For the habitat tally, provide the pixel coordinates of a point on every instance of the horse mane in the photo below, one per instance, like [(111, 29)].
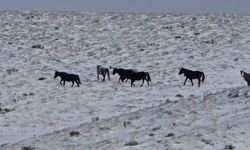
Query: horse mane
[(185, 69)]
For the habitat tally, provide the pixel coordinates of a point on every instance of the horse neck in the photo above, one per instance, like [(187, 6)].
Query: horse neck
[(60, 75), (98, 70), (102, 71), (117, 71), (186, 71), (246, 75), (106, 71)]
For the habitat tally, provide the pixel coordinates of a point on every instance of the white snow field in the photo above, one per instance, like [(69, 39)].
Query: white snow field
[(36, 112)]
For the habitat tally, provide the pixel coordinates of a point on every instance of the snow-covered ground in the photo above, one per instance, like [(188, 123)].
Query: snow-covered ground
[(42, 113)]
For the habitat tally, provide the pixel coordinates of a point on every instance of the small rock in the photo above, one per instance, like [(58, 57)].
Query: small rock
[(170, 135), (94, 119), (156, 128), (74, 133), (207, 141), (246, 94), (131, 143), (177, 37), (41, 78), (229, 147), (125, 123), (10, 43), (11, 70), (25, 94), (31, 94), (27, 148), (12, 55), (179, 95), (7, 110), (159, 141), (38, 46), (196, 33), (233, 95), (151, 134), (199, 135), (236, 59)]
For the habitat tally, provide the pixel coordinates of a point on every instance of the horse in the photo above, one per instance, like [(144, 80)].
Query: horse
[(123, 73), (139, 76), (192, 75), (103, 71), (68, 77), (246, 77)]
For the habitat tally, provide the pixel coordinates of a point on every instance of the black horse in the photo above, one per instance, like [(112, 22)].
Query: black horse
[(68, 77), (139, 76), (246, 77), (123, 73), (192, 75)]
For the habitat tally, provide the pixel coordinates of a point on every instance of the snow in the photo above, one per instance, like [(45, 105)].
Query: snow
[(205, 117)]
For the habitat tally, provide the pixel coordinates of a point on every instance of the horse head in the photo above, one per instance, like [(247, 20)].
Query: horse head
[(56, 74), (242, 73), (181, 71)]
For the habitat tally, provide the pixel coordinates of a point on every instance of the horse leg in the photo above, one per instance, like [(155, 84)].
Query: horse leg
[(132, 81), (109, 77), (103, 77), (199, 82), (64, 83), (248, 83), (97, 76), (147, 81), (185, 81), (61, 82), (72, 84), (142, 82), (191, 82)]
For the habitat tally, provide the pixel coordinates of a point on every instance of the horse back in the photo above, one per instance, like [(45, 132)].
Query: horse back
[(193, 74), (138, 75), (70, 77)]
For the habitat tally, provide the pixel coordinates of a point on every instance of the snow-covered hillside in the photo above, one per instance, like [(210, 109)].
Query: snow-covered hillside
[(36, 107), (215, 121)]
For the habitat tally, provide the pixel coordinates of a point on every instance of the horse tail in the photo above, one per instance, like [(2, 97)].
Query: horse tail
[(148, 76), (107, 70), (203, 77), (78, 78)]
